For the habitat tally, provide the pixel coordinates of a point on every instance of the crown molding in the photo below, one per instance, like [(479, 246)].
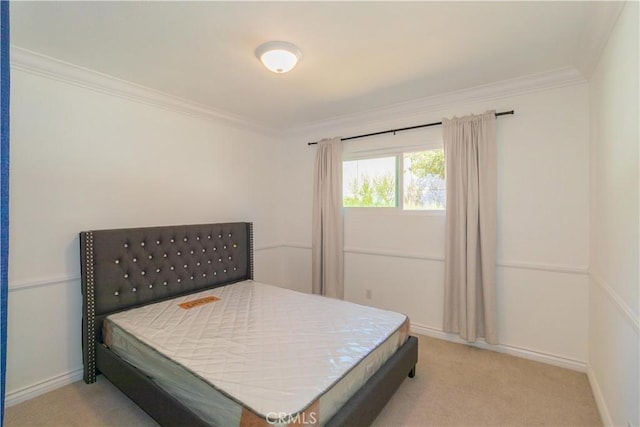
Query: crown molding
[(55, 69), (502, 89)]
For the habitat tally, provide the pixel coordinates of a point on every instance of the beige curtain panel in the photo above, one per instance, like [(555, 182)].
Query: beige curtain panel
[(470, 248), (327, 267)]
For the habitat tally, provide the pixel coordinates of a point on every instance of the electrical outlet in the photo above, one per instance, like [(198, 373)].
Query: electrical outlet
[(368, 293)]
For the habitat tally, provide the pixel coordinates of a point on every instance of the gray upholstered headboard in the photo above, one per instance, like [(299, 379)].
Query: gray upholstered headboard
[(126, 268)]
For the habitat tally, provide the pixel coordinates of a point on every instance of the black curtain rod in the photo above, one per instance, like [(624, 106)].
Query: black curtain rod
[(504, 113)]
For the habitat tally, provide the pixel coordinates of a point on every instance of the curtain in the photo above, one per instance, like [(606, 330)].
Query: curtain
[(470, 248), (4, 195), (327, 249)]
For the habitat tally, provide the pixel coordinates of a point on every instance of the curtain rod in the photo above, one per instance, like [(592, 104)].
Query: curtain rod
[(504, 113)]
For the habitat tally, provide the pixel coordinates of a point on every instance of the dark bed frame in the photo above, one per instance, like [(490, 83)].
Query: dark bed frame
[(127, 268)]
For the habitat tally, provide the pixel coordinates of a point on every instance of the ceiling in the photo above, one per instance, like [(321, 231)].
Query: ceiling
[(357, 56)]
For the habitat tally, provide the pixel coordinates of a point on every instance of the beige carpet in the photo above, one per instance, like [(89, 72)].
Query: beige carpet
[(455, 385)]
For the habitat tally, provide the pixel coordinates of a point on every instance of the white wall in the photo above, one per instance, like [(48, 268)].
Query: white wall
[(82, 160), (543, 225), (614, 328)]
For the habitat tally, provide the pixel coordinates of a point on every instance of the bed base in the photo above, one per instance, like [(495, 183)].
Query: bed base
[(156, 402), (360, 410), (366, 404)]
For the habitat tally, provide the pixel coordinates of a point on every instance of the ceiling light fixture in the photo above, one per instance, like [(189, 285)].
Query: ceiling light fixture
[(278, 56)]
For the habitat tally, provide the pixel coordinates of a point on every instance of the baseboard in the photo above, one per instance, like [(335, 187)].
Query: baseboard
[(605, 416), (35, 390), (550, 359)]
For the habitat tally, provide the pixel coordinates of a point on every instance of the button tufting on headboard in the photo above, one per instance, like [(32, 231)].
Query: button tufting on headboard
[(133, 263), (123, 268)]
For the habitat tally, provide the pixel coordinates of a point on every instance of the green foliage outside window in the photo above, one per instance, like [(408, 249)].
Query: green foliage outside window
[(379, 191), (425, 163), (369, 184)]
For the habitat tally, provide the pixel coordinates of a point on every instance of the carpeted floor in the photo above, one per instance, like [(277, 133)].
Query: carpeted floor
[(455, 385)]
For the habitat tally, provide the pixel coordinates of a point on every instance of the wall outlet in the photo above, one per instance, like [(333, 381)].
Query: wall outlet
[(368, 294)]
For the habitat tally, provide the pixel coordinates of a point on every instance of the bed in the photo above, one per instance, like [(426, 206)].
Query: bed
[(137, 270)]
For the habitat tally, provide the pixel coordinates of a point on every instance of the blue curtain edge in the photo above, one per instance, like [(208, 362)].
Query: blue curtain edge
[(4, 196)]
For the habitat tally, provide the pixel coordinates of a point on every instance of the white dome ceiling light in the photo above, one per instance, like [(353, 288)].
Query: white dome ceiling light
[(279, 57)]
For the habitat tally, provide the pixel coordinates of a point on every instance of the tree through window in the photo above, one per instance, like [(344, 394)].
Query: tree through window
[(424, 185)]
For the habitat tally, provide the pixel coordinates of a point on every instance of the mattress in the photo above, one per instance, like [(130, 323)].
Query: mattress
[(255, 354)]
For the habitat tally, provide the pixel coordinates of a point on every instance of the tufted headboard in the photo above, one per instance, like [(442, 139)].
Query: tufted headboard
[(131, 267)]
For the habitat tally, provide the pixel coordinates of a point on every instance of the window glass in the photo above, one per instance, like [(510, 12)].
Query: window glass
[(370, 182), (424, 184)]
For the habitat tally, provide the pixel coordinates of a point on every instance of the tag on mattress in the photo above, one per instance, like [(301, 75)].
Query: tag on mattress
[(198, 302)]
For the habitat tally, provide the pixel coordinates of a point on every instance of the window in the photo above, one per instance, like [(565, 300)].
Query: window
[(376, 181)]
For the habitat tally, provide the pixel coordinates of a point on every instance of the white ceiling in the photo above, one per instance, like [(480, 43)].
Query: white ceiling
[(357, 56)]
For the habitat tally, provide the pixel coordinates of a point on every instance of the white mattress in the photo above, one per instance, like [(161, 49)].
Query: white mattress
[(270, 350)]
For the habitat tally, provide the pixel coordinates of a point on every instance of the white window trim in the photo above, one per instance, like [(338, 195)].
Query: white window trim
[(388, 152)]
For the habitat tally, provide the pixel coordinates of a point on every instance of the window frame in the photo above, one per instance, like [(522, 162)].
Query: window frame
[(398, 153)]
